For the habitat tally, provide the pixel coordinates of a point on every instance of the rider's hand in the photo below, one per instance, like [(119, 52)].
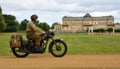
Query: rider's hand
[(43, 32)]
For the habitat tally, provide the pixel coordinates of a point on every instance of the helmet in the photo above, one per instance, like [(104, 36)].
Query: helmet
[(33, 17)]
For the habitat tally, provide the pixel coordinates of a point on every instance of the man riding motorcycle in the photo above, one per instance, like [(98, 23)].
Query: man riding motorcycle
[(33, 32)]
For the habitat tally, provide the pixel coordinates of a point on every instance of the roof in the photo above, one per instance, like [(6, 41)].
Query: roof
[(87, 16)]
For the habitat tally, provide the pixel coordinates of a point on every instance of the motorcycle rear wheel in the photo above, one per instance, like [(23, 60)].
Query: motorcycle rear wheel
[(19, 54)]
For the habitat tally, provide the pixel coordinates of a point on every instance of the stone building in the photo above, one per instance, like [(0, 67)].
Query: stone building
[(87, 22), (117, 25)]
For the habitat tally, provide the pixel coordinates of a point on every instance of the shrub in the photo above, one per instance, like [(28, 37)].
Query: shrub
[(117, 30), (99, 30), (109, 30)]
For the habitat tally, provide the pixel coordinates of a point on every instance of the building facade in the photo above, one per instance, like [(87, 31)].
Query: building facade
[(117, 25), (87, 22)]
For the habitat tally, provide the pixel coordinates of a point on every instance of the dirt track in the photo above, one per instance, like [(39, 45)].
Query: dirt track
[(66, 62)]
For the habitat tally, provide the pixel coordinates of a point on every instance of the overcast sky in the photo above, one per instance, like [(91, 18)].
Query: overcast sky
[(51, 11)]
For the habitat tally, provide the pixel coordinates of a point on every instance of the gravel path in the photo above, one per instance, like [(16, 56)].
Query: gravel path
[(46, 61)]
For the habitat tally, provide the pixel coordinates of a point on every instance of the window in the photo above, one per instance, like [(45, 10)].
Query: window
[(90, 22), (96, 22), (64, 23), (111, 22), (103, 22)]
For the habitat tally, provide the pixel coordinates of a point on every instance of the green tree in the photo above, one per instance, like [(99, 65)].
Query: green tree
[(109, 30), (44, 26), (102, 30), (117, 30), (23, 24), (12, 25), (2, 21), (53, 25)]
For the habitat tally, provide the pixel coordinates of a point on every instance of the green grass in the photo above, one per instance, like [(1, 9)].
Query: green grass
[(4, 44), (79, 43), (91, 44)]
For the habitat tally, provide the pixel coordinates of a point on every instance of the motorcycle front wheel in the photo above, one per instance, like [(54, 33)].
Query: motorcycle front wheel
[(19, 54), (60, 50)]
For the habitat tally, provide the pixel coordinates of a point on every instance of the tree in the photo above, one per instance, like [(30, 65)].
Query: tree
[(2, 21), (102, 30), (23, 24), (109, 30), (44, 26), (12, 25), (53, 25), (117, 30)]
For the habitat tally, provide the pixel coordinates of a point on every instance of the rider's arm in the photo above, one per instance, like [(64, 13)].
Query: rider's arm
[(37, 30)]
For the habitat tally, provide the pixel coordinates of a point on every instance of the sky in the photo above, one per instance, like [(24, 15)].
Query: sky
[(52, 11)]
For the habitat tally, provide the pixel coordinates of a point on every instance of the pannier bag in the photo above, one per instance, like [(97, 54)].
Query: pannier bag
[(15, 41)]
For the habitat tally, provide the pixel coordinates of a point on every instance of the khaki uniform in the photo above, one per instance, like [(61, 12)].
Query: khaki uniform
[(33, 32)]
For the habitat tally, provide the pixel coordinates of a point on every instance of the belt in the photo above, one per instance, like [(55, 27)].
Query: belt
[(31, 32)]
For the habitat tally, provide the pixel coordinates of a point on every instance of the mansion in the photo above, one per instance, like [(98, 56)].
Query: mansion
[(87, 22)]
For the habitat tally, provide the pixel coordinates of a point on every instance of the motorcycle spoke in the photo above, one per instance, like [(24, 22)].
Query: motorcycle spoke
[(55, 49)]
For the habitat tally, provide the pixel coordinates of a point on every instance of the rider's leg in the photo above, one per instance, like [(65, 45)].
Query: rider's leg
[(37, 42)]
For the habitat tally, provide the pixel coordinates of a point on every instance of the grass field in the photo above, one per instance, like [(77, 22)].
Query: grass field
[(92, 44), (79, 43)]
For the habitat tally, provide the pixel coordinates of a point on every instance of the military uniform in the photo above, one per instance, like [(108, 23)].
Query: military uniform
[(33, 32)]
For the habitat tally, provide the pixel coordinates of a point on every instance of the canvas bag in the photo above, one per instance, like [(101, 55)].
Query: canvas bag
[(15, 41)]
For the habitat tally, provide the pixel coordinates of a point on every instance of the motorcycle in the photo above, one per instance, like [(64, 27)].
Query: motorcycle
[(57, 47)]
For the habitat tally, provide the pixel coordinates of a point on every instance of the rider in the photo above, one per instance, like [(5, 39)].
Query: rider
[(33, 32)]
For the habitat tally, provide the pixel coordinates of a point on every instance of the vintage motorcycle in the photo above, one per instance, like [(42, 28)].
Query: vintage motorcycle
[(57, 47)]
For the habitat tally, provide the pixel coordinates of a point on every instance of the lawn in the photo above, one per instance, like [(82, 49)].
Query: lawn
[(92, 44), (79, 43), (4, 44)]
